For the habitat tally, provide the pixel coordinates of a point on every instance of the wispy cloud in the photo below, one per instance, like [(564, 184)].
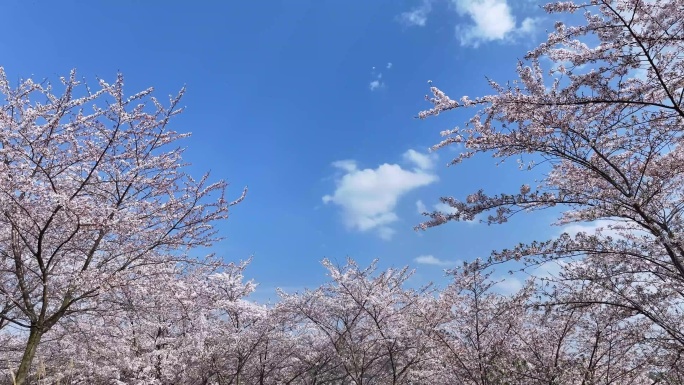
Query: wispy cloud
[(606, 227), (417, 16), (368, 197), (420, 206), (422, 161), (346, 165), (434, 261), (528, 26), (508, 285), (377, 82), (443, 208)]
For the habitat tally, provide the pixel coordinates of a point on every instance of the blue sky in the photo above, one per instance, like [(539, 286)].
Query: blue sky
[(311, 103)]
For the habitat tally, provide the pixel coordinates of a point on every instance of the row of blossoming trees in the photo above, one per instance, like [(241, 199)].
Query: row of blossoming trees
[(99, 223), (362, 327)]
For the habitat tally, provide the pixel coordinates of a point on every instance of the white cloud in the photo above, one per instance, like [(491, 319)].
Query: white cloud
[(420, 206), (389, 65), (375, 84), (346, 165), (386, 233), (422, 161), (528, 25), (445, 208), (507, 286), (368, 197), (432, 260), (511, 284), (640, 73), (591, 228), (491, 20), (418, 15), (549, 269)]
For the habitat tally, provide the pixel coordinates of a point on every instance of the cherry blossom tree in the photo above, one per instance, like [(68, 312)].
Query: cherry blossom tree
[(99, 224), (151, 331), (374, 325), (197, 326), (606, 120), (94, 196), (475, 336), (485, 337), (178, 328), (591, 344), (246, 340)]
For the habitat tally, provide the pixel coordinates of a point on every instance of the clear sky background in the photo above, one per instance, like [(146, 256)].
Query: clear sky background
[(310, 103)]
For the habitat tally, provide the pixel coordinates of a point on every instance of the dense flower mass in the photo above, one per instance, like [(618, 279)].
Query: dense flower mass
[(607, 120), (362, 327), (94, 203), (99, 220)]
